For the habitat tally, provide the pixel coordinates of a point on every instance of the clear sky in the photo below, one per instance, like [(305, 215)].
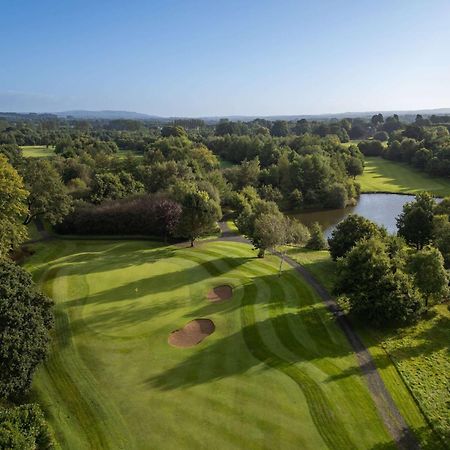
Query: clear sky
[(200, 58)]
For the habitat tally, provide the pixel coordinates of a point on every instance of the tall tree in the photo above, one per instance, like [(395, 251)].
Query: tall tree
[(415, 223), (430, 276), (351, 230), (377, 290), (270, 231), (199, 214), (317, 240), (25, 321), (12, 208), (48, 197)]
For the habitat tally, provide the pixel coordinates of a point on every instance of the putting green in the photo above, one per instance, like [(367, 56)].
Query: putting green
[(276, 373)]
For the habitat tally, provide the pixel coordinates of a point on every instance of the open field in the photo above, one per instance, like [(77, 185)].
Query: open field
[(382, 175), (37, 151), (416, 357), (277, 372)]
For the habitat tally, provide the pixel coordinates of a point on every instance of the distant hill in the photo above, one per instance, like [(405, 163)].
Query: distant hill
[(106, 115), (111, 115), (424, 112)]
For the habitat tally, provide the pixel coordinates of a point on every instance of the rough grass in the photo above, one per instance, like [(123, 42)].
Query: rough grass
[(381, 175), (276, 373), (421, 354), (37, 151), (414, 361)]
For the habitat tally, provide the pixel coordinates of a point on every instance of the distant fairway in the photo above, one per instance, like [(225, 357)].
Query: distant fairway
[(381, 175), (37, 151), (276, 372)]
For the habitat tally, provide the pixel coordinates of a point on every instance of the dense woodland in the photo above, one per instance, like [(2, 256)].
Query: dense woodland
[(174, 181)]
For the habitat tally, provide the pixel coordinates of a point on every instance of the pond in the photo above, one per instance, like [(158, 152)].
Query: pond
[(380, 208)]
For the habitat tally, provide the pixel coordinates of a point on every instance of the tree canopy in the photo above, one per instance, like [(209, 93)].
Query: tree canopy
[(13, 208), (415, 223), (25, 321), (351, 230)]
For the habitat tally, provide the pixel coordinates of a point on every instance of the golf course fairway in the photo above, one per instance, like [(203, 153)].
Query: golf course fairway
[(274, 372)]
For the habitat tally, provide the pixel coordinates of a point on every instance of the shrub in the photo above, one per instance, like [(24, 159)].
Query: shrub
[(145, 215)]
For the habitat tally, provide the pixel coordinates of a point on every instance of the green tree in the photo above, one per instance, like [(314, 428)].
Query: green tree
[(317, 240), (270, 231), (415, 223), (25, 321), (441, 232), (280, 128), (111, 186), (351, 230), (173, 130), (24, 428), (12, 208), (298, 234), (48, 197), (336, 196), (251, 209), (377, 291), (199, 214), (430, 276), (355, 167)]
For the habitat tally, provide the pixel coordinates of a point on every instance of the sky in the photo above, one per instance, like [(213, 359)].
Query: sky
[(208, 58)]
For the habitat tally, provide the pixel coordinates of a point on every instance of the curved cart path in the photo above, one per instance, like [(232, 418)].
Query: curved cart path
[(392, 419), (388, 411)]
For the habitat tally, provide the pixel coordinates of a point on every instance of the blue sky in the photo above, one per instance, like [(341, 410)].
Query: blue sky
[(200, 58)]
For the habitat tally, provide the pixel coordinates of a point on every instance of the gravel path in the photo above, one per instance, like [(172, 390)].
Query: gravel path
[(388, 411)]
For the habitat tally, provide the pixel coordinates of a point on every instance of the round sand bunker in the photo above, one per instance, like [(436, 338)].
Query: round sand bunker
[(220, 293), (192, 333)]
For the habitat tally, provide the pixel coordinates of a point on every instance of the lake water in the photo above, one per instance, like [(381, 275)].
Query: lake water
[(380, 208)]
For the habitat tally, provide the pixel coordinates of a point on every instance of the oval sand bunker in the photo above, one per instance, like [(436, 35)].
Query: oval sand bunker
[(192, 333), (220, 293)]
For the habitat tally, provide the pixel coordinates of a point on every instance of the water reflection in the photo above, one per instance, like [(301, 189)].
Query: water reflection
[(380, 208)]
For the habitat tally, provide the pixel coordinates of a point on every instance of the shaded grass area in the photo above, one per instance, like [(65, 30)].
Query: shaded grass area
[(224, 164), (37, 151), (318, 262), (413, 362), (381, 175), (268, 377)]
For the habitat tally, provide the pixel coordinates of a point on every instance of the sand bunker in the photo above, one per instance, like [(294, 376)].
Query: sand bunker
[(220, 293), (192, 333)]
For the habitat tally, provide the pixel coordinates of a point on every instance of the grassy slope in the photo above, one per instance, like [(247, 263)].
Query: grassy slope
[(37, 151), (277, 372), (381, 175), (420, 354)]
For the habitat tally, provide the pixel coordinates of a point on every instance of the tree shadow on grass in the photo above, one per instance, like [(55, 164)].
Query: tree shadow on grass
[(432, 339), (163, 283), (426, 437), (239, 352), (93, 262)]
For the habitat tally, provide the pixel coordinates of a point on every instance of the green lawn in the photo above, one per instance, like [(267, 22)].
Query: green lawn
[(415, 357), (382, 175), (276, 373), (37, 151)]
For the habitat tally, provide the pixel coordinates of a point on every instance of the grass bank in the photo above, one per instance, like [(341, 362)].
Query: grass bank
[(382, 175), (413, 361)]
